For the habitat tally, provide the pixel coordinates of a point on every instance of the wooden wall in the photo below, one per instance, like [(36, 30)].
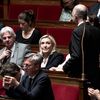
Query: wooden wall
[(4, 4)]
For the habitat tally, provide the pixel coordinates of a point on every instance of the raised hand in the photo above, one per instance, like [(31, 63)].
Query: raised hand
[(6, 53)]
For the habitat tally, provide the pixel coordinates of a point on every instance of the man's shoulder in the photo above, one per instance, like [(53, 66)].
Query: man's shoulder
[(21, 44), (42, 74)]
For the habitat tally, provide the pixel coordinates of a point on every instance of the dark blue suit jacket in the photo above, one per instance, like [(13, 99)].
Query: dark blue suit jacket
[(40, 90), (54, 60)]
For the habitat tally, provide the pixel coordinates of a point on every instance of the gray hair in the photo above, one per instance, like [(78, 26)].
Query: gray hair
[(52, 41), (7, 29), (35, 57)]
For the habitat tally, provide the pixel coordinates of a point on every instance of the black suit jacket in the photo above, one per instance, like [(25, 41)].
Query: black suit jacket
[(54, 60), (40, 90), (91, 54)]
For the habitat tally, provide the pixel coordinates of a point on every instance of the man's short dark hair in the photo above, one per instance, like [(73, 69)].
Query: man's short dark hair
[(10, 69)]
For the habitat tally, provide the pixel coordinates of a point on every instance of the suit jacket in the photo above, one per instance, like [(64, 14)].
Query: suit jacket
[(19, 53), (54, 60), (40, 90), (94, 9), (91, 47)]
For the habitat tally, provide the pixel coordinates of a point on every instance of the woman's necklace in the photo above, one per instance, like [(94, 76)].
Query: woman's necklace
[(28, 34)]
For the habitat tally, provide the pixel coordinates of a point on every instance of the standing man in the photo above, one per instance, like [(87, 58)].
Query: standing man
[(35, 84), (13, 51), (84, 48)]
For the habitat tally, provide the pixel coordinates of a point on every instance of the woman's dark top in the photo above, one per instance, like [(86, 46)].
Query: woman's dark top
[(34, 39)]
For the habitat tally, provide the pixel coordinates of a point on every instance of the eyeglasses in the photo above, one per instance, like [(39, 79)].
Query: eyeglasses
[(26, 65)]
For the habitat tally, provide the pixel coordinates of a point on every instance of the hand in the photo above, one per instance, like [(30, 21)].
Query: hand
[(94, 93), (9, 81), (5, 53), (90, 91), (97, 94), (59, 68), (52, 69)]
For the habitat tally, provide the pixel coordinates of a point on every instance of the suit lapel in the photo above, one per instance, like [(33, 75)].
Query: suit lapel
[(15, 54), (34, 80)]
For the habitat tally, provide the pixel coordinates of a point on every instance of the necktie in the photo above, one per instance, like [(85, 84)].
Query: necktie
[(7, 59), (30, 84)]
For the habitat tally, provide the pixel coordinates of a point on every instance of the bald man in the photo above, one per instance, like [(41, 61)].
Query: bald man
[(84, 49)]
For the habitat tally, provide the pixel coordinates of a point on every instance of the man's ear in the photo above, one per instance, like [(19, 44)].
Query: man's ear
[(76, 17), (37, 66)]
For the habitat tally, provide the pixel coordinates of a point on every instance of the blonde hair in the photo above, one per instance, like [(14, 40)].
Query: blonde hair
[(52, 41)]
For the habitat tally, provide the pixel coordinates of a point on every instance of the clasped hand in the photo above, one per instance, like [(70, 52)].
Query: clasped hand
[(94, 93), (6, 53), (9, 81)]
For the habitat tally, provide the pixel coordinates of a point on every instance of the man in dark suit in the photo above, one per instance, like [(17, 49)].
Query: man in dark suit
[(38, 88), (84, 49)]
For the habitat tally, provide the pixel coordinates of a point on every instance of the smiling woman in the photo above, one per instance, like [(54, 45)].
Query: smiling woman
[(47, 47)]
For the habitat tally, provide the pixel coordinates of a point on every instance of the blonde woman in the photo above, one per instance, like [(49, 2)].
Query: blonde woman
[(47, 47)]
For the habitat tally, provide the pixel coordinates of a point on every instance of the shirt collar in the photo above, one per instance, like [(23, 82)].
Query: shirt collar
[(80, 23), (31, 77)]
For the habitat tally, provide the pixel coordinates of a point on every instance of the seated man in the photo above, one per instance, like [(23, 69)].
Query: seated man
[(10, 69), (67, 6), (13, 51), (35, 83)]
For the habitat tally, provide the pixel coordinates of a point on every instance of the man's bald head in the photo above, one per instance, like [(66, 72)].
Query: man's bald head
[(80, 12)]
